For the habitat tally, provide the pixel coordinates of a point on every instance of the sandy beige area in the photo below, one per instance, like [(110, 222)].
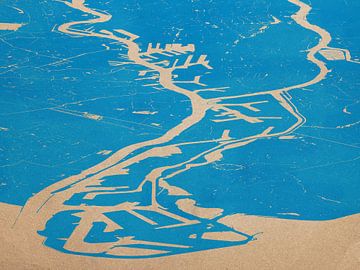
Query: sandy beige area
[(280, 244), (10, 26)]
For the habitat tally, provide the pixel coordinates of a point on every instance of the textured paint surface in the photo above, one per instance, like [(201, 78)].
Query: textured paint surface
[(133, 130)]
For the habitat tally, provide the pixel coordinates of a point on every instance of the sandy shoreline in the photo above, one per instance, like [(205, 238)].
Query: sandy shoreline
[(283, 244), (10, 26)]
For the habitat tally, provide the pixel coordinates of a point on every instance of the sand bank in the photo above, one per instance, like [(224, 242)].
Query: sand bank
[(281, 244)]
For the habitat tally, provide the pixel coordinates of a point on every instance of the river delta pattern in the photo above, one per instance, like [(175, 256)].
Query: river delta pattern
[(130, 128)]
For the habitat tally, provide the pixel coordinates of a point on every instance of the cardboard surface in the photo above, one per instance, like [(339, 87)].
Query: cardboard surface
[(179, 135), (295, 245)]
